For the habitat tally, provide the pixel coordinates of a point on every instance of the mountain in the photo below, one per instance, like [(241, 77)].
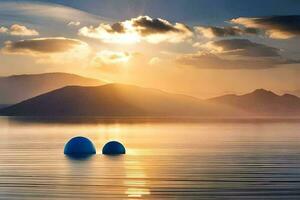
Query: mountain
[(14, 89), (262, 103), (113, 100), (119, 100), (3, 105)]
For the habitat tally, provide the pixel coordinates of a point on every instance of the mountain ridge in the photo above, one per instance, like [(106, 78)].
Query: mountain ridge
[(16, 88), (123, 100), (262, 102), (111, 100)]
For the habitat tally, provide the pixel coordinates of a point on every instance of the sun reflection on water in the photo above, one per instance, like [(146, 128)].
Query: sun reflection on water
[(137, 192), (135, 180)]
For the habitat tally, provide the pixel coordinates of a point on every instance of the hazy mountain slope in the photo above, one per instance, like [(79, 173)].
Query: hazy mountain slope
[(127, 101), (3, 105), (113, 100), (14, 89), (262, 102)]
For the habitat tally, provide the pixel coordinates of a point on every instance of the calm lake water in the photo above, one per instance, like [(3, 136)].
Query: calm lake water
[(199, 160)]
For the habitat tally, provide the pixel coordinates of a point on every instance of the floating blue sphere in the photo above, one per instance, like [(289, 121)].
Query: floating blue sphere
[(79, 146), (113, 148)]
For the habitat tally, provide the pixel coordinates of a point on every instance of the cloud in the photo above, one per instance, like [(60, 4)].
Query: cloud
[(139, 29), (112, 57), (241, 47), (111, 61), (276, 27), (234, 54), (73, 23), (155, 61), (228, 31), (29, 12), (40, 46), (149, 26), (108, 58), (20, 30), (56, 50), (109, 34), (212, 61), (3, 29)]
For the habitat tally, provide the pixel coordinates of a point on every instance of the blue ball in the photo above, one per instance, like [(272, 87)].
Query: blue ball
[(79, 146), (113, 148)]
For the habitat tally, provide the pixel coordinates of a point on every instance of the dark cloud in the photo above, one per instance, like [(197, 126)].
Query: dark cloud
[(42, 45), (279, 27), (226, 31), (253, 31), (213, 31), (244, 47), (148, 25), (118, 27), (212, 61), (153, 30), (285, 23), (235, 54)]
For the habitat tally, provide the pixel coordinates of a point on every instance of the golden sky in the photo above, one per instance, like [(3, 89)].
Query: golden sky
[(234, 54)]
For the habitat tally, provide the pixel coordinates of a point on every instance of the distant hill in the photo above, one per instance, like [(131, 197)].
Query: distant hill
[(113, 100), (262, 103), (14, 89), (3, 105), (118, 100)]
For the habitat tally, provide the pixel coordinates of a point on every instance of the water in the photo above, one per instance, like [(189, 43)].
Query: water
[(199, 160)]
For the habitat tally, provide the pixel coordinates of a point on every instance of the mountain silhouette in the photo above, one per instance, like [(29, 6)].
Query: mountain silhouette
[(262, 103), (14, 89), (113, 100), (3, 105), (119, 100)]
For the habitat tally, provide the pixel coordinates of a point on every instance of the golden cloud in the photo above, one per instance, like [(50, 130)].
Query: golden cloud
[(107, 57), (240, 47), (3, 29), (113, 57), (42, 46), (74, 23), (139, 29), (57, 49), (20, 30), (155, 61)]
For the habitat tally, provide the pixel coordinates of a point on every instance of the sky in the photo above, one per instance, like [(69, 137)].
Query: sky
[(202, 48)]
